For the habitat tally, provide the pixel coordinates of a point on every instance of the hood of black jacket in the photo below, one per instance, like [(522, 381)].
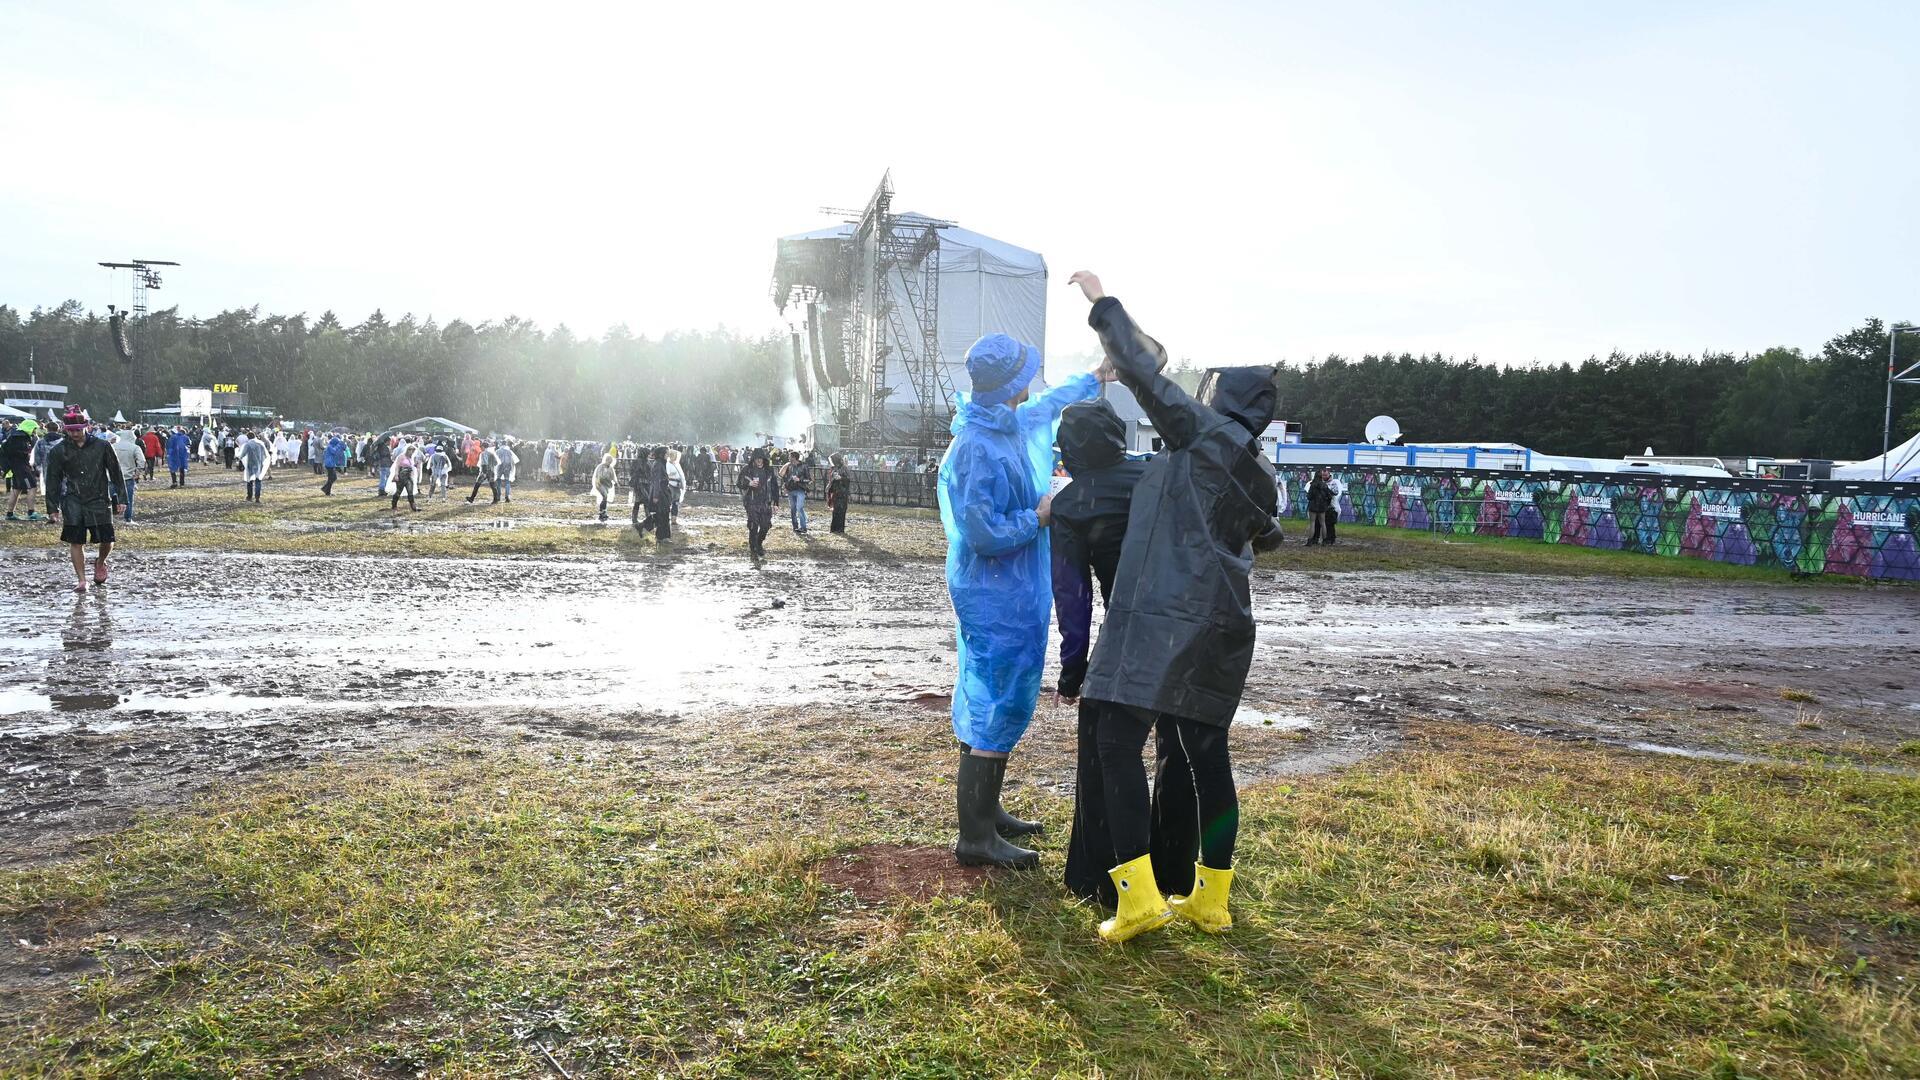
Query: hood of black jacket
[(1092, 436), (1246, 394)]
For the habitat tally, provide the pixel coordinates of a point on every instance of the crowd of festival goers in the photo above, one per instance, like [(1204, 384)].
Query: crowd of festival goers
[(654, 479)]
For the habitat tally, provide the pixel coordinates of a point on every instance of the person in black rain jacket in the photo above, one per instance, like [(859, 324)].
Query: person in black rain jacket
[(1178, 640), (1089, 521)]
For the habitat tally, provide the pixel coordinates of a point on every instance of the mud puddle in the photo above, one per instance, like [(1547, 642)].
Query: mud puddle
[(191, 667)]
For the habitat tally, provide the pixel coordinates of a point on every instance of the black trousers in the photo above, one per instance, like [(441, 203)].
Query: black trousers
[(839, 517), (1323, 527), (1111, 812), (150, 463), (1196, 810), (404, 482), (479, 480), (332, 475)]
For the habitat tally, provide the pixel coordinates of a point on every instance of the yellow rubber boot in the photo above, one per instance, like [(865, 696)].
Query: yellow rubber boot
[(1206, 907), (1141, 906)]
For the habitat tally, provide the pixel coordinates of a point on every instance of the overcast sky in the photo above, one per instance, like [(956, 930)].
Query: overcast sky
[(1260, 181)]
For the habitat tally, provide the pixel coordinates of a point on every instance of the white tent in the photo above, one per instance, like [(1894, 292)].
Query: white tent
[(12, 413), (986, 286), (1901, 463)]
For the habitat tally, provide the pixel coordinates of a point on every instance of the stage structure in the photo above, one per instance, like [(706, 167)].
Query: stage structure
[(889, 304), (146, 277)]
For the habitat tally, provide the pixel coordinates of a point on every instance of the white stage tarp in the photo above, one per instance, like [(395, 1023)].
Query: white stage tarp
[(1901, 463), (986, 286)]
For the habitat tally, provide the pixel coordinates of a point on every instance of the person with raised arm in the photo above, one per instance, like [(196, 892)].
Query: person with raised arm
[(1177, 643), (995, 506)]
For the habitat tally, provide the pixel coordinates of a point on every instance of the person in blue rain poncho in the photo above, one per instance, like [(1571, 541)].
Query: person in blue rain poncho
[(994, 503)]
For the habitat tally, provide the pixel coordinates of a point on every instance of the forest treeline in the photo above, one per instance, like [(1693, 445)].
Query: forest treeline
[(1778, 403), (508, 376), (513, 376)]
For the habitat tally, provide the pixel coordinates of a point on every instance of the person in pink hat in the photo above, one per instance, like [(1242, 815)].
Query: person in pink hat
[(83, 493)]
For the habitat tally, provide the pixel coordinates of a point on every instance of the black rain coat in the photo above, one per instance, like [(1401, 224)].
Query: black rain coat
[(1179, 633), (83, 482), (1089, 522)]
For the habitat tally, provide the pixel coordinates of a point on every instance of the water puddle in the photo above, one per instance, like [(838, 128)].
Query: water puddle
[(1277, 721)]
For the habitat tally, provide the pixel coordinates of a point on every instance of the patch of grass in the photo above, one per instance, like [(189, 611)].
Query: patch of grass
[(1788, 693), (541, 521), (1910, 747), (1379, 548), (1481, 904)]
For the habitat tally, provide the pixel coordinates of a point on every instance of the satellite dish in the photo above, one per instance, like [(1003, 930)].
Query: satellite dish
[(1382, 430)]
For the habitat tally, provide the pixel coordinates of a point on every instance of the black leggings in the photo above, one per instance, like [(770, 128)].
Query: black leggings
[(1193, 813), (403, 482), (1196, 811), (1323, 526)]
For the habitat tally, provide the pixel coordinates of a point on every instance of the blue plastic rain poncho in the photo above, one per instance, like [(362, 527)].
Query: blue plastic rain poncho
[(998, 565)]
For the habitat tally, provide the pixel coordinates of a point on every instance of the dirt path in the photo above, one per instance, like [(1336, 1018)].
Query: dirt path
[(193, 667)]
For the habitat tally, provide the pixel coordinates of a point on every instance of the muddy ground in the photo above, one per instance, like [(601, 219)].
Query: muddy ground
[(193, 668)]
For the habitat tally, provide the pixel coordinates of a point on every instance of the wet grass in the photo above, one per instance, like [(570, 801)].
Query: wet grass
[(552, 521), (541, 521), (1379, 548), (1478, 905)]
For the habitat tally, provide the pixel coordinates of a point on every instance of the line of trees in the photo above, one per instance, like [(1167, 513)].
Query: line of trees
[(1779, 403), (513, 376), (508, 376)]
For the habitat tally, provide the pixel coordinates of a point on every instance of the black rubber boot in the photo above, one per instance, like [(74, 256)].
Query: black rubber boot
[(1006, 824), (976, 801)]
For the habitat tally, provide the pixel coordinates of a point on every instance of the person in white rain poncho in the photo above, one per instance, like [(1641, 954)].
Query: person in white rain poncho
[(403, 476), (603, 484), (506, 467), (254, 459), (442, 467), (676, 480)]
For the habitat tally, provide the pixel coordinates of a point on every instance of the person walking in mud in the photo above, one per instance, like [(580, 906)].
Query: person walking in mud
[(440, 466), (83, 490), (127, 449), (659, 494), (405, 475), (995, 508), (1177, 644), (793, 478), (1321, 508), (153, 449), (254, 457), (485, 469), (335, 459), (839, 486), (603, 484), (756, 484), (506, 468), (16, 465), (179, 451)]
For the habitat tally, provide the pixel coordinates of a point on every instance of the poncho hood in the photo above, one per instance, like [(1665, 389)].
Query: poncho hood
[(1092, 436), (1245, 394)]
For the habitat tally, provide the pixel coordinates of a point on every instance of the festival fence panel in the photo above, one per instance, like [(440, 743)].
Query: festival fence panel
[(1819, 527)]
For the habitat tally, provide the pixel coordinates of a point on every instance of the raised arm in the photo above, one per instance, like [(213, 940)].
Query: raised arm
[(1046, 406), (1137, 360)]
